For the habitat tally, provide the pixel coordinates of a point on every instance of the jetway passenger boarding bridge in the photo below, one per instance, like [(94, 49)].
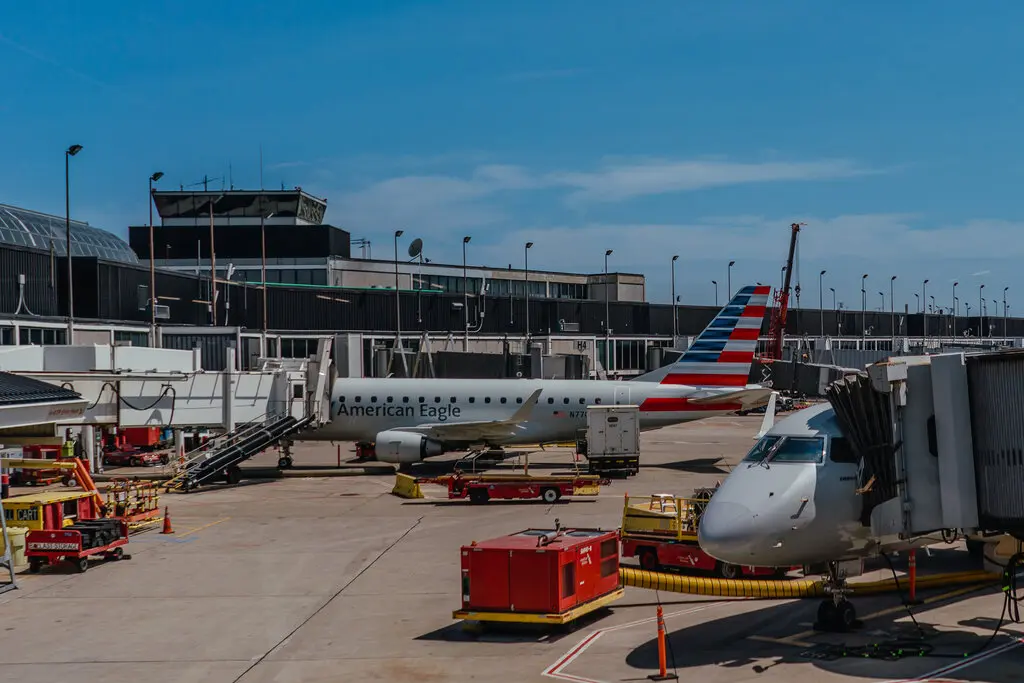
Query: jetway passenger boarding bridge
[(142, 387), (941, 443)]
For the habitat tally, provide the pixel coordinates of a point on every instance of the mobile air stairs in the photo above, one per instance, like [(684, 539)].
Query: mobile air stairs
[(294, 409)]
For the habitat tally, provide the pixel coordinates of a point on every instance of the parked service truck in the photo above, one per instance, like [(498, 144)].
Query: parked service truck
[(611, 442)]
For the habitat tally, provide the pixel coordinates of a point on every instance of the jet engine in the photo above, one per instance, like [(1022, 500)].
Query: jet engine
[(405, 447)]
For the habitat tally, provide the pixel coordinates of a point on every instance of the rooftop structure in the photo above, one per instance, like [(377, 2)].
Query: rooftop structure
[(25, 228)]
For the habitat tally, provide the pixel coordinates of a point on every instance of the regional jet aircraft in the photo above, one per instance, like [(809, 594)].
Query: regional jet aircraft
[(407, 420), (793, 500)]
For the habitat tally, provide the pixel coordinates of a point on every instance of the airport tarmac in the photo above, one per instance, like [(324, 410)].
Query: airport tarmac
[(334, 579)]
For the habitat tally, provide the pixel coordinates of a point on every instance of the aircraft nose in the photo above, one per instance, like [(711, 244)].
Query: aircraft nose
[(727, 532)]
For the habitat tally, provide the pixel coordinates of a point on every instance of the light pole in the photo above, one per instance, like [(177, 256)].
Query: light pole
[(728, 282), (892, 307), (675, 326), (1004, 312), (263, 268), (981, 312), (398, 299), (715, 283), (821, 300), (526, 284), (152, 265), (863, 306), (607, 253), (924, 309), (955, 309), (465, 296), (967, 314), (68, 153)]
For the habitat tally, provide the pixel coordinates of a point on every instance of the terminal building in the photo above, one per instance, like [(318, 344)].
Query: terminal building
[(315, 287)]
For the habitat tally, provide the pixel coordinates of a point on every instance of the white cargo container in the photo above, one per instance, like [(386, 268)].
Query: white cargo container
[(613, 438)]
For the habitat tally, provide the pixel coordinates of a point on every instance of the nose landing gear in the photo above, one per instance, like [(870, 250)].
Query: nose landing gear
[(836, 613)]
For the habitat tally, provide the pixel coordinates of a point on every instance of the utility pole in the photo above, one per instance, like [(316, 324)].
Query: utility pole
[(68, 153), (924, 309), (892, 309), (398, 300), (607, 322), (728, 281), (863, 306), (981, 312), (526, 287)]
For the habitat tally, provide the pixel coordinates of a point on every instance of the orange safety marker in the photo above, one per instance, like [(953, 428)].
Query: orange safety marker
[(912, 572), (663, 674), (167, 523)]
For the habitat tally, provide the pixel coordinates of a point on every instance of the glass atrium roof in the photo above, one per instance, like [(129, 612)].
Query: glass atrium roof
[(34, 230)]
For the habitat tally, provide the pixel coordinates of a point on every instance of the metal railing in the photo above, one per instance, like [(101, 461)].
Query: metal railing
[(207, 450)]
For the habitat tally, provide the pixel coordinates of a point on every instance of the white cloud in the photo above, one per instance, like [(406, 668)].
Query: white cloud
[(618, 182)]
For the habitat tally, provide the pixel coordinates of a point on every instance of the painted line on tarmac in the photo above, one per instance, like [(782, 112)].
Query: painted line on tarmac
[(962, 664), (556, 669), (201, 528)]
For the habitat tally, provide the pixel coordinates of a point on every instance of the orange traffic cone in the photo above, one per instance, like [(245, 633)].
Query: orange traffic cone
[(167, 523)]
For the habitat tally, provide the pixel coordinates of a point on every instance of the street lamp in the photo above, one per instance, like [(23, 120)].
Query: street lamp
[(675, 330), (981, 312), (728, 282), (892, 307), (715, 283), (263, 266), (1004, 311), (863, 305), (398, 298), (465, 296), (68, 153), (924, 309), (821, 300), (607, 332), (526, 267), (955, 309), (152, 265), (967, 314)]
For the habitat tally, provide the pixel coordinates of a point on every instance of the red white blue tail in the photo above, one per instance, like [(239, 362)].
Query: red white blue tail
[(723, 353)]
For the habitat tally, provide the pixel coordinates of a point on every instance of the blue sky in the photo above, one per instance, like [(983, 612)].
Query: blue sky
[(656, 128)]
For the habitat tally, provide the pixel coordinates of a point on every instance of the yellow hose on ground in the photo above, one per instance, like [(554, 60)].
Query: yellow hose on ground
[(784, 588)]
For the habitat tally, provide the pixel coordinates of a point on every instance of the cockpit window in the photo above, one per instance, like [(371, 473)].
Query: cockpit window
[(839, 451), (799, 449), (761, 449)]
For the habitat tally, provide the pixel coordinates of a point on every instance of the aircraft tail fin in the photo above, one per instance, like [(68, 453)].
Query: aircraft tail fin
[(722, 354)]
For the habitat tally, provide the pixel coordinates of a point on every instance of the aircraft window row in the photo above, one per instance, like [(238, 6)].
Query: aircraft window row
[(437, 399)]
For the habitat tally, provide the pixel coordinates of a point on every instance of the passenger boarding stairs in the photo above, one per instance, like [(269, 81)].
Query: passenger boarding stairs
[(303, 403), (219, 458)]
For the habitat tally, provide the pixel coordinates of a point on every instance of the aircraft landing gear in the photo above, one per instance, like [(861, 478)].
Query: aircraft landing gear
[(285, 461), (836, 613)]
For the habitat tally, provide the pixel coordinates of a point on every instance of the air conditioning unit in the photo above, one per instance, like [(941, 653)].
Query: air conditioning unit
[(163, 312)]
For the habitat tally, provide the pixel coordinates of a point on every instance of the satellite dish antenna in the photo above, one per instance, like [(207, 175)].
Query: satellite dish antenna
[(415, 248)]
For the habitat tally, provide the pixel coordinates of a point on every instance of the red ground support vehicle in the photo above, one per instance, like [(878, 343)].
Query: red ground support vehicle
[(77, 543), (550, 576), (480, 488), (134, 458), (661, 531)]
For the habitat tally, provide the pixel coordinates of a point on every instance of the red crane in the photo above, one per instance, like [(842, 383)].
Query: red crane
[(777, 328)]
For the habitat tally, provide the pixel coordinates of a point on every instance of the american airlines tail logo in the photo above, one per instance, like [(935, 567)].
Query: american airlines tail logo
[(722, 354)]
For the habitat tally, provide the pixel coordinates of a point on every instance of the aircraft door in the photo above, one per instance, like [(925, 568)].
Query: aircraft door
[(622, 396)]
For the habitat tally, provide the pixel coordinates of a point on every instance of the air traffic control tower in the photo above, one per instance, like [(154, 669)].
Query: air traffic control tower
[(224, 227)]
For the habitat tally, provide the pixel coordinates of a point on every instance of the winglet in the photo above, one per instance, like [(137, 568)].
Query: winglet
[(769, 416), (524, 410)]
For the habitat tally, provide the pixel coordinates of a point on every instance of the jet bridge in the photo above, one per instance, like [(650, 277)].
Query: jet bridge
[(138, 387), (941, 442)]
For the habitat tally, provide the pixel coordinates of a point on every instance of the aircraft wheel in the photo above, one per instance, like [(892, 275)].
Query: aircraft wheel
[(284, 462), (827, 615), (846, 615)]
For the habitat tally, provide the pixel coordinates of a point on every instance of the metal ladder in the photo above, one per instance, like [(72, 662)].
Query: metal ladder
[(219, 458)]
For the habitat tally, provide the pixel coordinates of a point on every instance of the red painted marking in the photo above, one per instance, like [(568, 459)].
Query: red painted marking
[(706, 380), (745, 334), (683, 405), (753, 312), (763, 289), (736, 357)]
